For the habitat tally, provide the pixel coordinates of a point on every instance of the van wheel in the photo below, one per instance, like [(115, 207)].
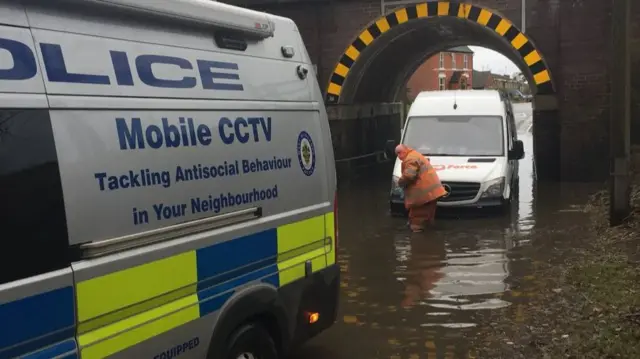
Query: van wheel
[(396, 210), (251, 341), (505, 206)]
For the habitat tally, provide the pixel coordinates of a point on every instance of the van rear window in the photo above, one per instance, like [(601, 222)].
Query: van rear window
[(33, 233)]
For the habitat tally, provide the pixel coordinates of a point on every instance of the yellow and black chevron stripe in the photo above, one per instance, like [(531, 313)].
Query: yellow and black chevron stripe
[(482, 16)]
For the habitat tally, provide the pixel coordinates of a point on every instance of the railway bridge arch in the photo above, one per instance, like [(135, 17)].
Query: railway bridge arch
[(366, 50)]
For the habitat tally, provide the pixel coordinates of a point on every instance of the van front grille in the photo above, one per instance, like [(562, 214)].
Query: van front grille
[(460, 191)]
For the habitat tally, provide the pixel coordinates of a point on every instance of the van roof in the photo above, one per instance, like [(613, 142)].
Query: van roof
[(470, 102), (206, 12)]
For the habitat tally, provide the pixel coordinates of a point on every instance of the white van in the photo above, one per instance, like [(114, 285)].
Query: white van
[(471, 139), (167, 182)]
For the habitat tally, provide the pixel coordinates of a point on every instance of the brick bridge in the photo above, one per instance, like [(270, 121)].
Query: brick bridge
[(365, 51)]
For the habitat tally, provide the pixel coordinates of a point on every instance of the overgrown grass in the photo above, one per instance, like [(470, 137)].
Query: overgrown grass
[(602, 287), (607, 324), (585, 300)]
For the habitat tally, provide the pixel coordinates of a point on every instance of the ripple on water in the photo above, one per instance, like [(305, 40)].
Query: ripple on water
[(435, 314), (453, 273), (449, 325)]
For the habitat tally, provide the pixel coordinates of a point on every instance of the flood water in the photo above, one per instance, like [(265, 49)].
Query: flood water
[(423, 295)]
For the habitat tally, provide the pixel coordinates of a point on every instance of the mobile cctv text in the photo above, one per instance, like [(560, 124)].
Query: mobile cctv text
[(133, 134)]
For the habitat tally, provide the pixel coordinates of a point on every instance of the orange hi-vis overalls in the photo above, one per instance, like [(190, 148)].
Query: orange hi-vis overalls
[(422, 188)]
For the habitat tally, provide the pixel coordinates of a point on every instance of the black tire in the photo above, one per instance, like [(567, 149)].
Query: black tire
[(505, 206), (397, 210), (251, 339), (514, 197), (393, 211)]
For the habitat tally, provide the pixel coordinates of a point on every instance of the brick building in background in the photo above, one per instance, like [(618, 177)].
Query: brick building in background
[(483, 80), (451, 69), (489, 80)]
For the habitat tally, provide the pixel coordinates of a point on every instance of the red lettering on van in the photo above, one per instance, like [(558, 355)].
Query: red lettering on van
[(454, 167)]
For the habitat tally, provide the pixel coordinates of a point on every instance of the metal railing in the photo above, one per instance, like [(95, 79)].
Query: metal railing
[(377, 155), (356, 165)]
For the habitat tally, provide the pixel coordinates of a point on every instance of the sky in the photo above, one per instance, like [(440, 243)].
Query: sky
[(485, 59)]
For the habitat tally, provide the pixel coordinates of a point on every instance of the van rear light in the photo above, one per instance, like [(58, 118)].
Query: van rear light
[(312, 317), (335, 222)]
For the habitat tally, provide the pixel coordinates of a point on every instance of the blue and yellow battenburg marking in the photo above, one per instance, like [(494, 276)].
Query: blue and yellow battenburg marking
[(43, 325), (121, 309), (167, 293)]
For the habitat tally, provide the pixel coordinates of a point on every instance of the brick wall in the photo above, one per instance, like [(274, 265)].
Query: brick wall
[(635, 71), (584, 87), (425, 78), (490, 83)]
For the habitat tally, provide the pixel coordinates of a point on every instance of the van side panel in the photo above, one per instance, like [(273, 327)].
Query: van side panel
[(144, 170), (12, 13), (154, 126), (72, 16), (36, 285), (37, 304), (24, 76), (93, 66), (37, 317), (331, 178), (168, 285)]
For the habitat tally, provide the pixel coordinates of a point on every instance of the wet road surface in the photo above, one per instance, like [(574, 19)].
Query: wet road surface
[(422, 295)]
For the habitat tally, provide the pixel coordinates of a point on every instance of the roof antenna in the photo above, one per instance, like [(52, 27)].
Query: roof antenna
[(455, 100)]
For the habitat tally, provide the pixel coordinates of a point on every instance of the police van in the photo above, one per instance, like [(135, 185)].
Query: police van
[(167, 182), (472, 142)]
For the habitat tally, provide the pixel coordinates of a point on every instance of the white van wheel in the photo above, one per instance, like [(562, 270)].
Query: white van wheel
[(505, 206)]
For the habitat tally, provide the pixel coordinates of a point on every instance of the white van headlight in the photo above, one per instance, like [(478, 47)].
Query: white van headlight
[(494, 188), (395, 187)]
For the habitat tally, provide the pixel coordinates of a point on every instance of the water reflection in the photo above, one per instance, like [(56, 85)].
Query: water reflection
[(464, 265), (406, 294), (448, 272), (525, 217)]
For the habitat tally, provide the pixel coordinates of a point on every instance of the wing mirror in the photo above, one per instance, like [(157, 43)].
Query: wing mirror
[(517, 152), (390, 148)]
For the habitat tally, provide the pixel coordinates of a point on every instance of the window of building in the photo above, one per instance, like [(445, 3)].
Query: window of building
[(441, 60), (453, 61), (441, 83), (466, 61)]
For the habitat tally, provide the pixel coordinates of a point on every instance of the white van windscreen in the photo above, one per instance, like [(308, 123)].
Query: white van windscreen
[(456, 135)]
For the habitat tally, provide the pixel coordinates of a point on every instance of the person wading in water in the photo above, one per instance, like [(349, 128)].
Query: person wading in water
[(422, 187)]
